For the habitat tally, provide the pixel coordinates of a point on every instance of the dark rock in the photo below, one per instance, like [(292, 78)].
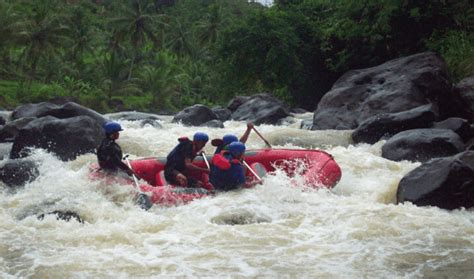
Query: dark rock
[(261, 109), (9, 132), (132, 116), (144, 118), (223, 114), (4, 117), (445, 182), (63, 215), (16, 173), (67, 138), (213, 124), (195, 115), (67, 110), (32, 110), (422, 145), (306, 124), (235, 103), (395, 86), (470, 145), (464, 97), (458, 125), (151, 122), (389, 124)]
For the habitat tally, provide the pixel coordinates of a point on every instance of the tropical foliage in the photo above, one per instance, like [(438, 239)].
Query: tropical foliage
[(162, 55)]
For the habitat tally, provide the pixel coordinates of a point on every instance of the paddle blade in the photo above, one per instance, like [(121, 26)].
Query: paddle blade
[(217, 142)]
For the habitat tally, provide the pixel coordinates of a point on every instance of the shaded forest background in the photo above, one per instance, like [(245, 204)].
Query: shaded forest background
[(163, 55)]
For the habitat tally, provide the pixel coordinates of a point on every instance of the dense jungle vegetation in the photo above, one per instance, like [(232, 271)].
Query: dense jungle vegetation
[(162, 55)]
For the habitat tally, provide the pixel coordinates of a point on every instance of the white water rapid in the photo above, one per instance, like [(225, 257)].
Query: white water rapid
[(275, 230)]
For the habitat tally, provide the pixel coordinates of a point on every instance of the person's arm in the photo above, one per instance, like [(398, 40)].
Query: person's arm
[(191, 166), (245, 136)]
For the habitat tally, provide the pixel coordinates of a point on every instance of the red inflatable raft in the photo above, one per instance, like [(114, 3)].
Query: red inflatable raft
[(317, 167)]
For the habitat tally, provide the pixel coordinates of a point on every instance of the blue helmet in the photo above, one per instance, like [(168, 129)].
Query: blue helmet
[(200, 136), (227, 139), (236, 148), (112, 127)]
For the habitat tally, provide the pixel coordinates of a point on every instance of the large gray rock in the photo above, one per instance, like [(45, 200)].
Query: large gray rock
[(422, 145), (67, 138), (213, 124), (445, 182), (261, 109), (67, 110), (16, 173), (195, 115), (9, 132), (235, 103), (395, 86), (389, 124), (464, 93)]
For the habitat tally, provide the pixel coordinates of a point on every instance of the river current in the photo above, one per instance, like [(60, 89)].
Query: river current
[(277, 230)]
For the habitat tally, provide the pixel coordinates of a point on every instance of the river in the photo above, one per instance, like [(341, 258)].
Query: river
[(276, 230)]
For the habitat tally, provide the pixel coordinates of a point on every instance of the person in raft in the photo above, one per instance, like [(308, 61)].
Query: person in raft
[(220, 144), (227, 170), (109, 153), (179, 162)]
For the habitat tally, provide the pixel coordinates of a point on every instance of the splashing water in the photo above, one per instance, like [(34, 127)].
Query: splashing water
[(274, 230)]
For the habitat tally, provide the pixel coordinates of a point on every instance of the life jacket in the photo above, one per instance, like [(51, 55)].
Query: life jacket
[(175, 159), (227, 172)]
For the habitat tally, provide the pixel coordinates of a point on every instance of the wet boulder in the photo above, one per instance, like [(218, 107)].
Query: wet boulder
[(68, 110), (444, 182), (395, 86), (142, 117), (458, 125), (422, 145), (213, 124), (235, 103), (223, 114), (67, 138), (464, 97), (389, 124), (195, 115), (66, 215), (9, 132), (261, 109), (32, 110), (15, 173)]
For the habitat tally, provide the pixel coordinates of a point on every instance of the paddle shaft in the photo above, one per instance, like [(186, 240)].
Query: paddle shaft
[(133, 175), (252, 171), (205, 159), (266, 142)]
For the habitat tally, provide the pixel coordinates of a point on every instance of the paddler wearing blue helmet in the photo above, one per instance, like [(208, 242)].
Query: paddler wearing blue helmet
[(179, 161), (109, 153), (227, 170), (220, 144)]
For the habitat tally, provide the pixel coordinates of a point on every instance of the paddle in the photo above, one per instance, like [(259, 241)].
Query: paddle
[(205, 159), (142, 199), (252, 171), (266, 142)]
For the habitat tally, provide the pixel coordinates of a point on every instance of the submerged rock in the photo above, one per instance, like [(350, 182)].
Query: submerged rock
[(15, 173), (445, 182)]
